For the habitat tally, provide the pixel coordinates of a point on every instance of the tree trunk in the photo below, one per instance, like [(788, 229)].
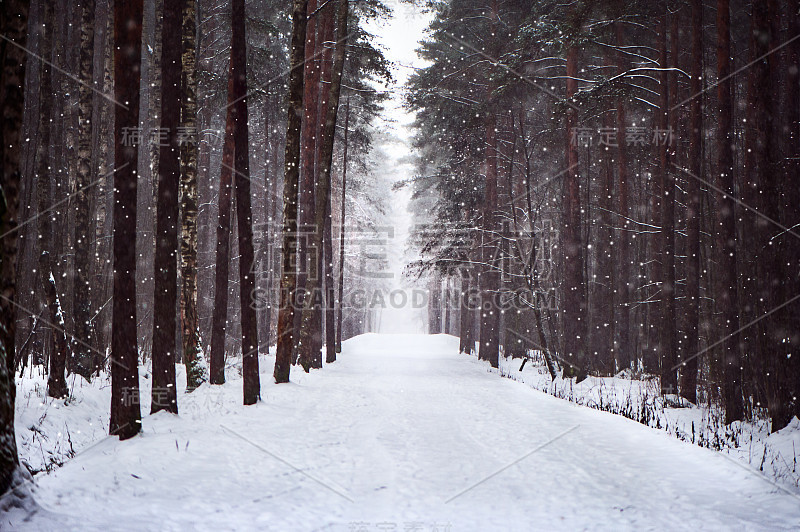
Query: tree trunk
[(83, 358), (327, 19), (286, 311), (490, 313), (192, 357), (56, 382), (574, 300), (625, 355), (693, 208), (323, 190), (465, 333), (125, 414), (339, 298), (667, 344), (164, 395), (307, 255), (219, 320), (247, 285), (726, 223), (13, 25)]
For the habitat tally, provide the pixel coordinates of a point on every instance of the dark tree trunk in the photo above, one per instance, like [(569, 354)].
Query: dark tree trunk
[(219, 320), (792, 202), (13, 25), (327, 19), (125, 413), (465, 334), (604, 295), (323, 190), (490, 313), (286, 310), (692, 306), (247, 285), (668, 341), (307, 255), (83, 362), (625, 355), (573, 310), (726, 223), (164, 395), (56, 381)]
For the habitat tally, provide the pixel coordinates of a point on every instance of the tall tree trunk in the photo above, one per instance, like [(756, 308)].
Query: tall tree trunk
[(125, 414), (668, 341), (56, 382), (604, 293), (327, 19), (465, 332), (693, 207), (192, 357), (323, 190), (307, 255), (164, 394), (247, 285), (779, 326), (265, 255), (490, 312), (219, 320), (726, 223), (83, 359), (343, 205), (625, 355), (13, 25), (573, 310), (286, 311), (792, 202)]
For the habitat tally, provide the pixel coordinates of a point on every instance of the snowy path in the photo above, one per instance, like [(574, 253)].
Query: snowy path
[(385, 437)]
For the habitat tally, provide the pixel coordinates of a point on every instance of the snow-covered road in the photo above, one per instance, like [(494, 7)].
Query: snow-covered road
[(402, 433)]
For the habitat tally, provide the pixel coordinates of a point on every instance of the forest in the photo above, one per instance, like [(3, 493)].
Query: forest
[(207, 202)]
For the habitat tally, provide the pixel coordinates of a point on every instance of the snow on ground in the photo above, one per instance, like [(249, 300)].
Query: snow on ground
[(750, 443), (402, 433)]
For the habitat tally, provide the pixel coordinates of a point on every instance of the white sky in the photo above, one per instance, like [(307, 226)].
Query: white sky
[(399, 38)]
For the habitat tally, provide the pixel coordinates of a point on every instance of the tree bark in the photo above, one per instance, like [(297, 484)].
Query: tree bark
[(625, 354), (219, 320), (693, 207), (247, 285), (726, 223), (308, 256), (573, 311), (192, 356), (667, 344), (322, 193), (327, 20), (83, 358), (56, 381), (13, 24), (339, 298), (125, 414), (286, 311), (164, 395)]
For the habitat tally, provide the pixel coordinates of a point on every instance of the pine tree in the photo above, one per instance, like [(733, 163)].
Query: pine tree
[(164, 394), (286, 310), (83, 358), (323, 186), (219, 321), (13, 25), (247, 287), (125, 414)]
